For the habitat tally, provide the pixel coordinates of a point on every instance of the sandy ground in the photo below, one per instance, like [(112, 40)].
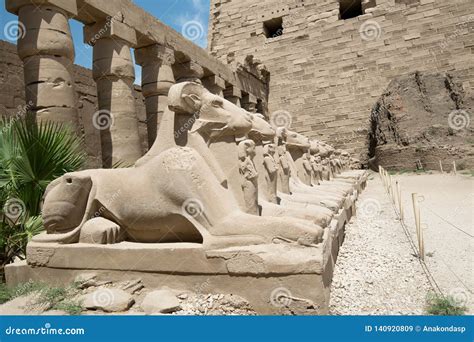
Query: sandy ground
[(447, 217), (377, 272)]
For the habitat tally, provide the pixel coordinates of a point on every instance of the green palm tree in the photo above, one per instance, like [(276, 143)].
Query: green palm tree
[(31, 156)]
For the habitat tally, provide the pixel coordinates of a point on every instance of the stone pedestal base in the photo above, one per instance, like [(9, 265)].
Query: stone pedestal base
[(275, 279)]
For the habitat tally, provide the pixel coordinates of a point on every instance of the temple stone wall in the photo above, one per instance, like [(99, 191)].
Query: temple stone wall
[(12, 100), (327, 73)]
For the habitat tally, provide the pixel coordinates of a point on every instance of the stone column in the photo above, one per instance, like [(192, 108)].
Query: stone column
[(114, 73), (188, 71), (157, 79), (234, 95), (214, 84), (249, 103), (45, 46)]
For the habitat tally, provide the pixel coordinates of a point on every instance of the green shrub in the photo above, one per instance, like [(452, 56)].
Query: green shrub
[(9, 293), (5, 294), (31, 156), (58, 298), (71, 307), (53, 298), (439, 305)]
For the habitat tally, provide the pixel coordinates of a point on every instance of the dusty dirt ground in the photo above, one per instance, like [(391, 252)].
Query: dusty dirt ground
[(447, 217)]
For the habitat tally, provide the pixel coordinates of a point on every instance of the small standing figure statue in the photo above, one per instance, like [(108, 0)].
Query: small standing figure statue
[(249, 176), (308, 169), (319, 168), (271, 174), (316, 176), (333, 164), (284, 171), (326, 170)]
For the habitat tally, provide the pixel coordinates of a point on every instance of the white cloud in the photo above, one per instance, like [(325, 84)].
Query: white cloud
[(193, 24)]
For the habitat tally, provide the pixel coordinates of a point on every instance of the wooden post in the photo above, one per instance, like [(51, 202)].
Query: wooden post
[(391, 191), (422, 242), (396, 199), (388, 182), (400, 205), (416, 211), (420, 165), (454, 167), (441, 166)]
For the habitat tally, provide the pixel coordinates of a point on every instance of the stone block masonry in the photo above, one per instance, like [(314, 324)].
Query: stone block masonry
[(328, 72)]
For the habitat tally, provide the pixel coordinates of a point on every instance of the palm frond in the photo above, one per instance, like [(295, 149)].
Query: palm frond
[(31, 156), (48, 151)]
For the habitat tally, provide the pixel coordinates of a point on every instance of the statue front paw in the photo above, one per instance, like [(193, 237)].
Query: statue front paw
[(100, 231)]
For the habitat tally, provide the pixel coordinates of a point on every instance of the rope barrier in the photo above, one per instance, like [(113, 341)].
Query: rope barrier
[(445, 220), (397, 196), (433, 283)]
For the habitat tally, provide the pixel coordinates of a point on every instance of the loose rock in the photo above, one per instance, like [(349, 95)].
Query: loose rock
[(160, 301), (108, 300)]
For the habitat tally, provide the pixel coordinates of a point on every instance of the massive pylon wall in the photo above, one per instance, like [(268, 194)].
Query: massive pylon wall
[(328, 72)]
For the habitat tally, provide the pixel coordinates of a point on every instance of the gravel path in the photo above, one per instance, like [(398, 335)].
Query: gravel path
[(376, 272)]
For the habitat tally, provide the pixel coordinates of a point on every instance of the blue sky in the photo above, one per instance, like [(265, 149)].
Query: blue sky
[(185, 16)]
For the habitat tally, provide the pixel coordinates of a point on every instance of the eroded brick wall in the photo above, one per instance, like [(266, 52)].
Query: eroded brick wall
[(328, 74), (12, 100)]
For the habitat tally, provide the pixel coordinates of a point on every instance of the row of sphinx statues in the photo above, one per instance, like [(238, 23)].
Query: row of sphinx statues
[(216, 175)]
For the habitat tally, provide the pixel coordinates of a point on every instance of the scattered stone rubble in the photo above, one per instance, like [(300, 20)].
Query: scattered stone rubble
[(132, 298)]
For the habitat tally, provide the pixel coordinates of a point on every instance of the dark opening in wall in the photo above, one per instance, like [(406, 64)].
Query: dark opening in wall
[(350, 8), (273, 27)]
